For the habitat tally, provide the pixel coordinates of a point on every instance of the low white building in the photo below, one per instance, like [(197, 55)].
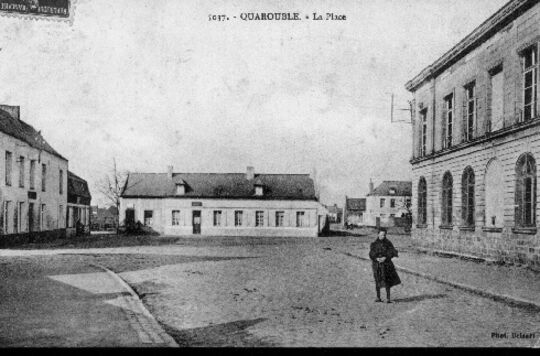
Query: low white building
[(33, 183), (390, 201), (223, 204)]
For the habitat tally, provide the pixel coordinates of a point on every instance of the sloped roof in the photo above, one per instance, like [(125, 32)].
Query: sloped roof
[(392, 187), (356, 204), (220, 185), (24, 132), (77, 186)]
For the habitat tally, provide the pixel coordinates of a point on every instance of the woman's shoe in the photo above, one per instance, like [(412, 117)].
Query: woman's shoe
[(389, 301), (378, 300)]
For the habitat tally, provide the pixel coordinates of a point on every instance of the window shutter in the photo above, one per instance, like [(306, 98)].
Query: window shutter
[(464, 118), (518, 199), (443, 124)]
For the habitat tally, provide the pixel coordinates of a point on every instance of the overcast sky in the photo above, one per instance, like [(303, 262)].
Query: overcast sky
[(153, 83)]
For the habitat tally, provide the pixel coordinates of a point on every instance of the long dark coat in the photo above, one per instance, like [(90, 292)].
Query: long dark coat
[(384, 272)]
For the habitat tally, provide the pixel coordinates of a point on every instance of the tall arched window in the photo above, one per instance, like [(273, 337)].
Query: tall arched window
[(467, 197), (422, 201), (526, 191), (447, 194)]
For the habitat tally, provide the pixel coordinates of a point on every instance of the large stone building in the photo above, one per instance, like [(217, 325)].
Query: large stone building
[(477, 141), (388, 204), (33, 185), (216, 204)]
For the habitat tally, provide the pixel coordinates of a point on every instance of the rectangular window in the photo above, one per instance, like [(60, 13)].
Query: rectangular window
[(382, 202), (300, 219), (7, 209), (259, 218), (175, 218), (21, 172), (496, 121), (280, 218), (60, 216), (32, 174), (61, 181), (238, 218), (20, 218), (8, 167), (392, 203), (448, 127), (469, 112), (217, 217), (42, 223), (148, 215), (70, 216), (43, 177), (423, 132), (530, 82)]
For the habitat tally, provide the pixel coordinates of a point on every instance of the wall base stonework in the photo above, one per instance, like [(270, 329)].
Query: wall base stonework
[(31, 237), (505, 246)]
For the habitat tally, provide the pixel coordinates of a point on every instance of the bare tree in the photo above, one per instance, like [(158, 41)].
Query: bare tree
[(111, 186)]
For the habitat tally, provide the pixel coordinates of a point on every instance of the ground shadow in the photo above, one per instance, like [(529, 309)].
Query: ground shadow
[(219, 335), (120, 262), (419, 298)]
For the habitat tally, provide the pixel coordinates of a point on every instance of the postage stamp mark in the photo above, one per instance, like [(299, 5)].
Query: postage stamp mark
[(51, 9)]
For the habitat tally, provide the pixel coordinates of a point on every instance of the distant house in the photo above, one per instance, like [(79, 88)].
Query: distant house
[(354, 211), (223, 204), (387, 204), (104, 218), (335, 214), (78, 211)]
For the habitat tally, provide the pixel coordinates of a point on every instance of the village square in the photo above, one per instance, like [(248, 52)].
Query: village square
[(127, 240)]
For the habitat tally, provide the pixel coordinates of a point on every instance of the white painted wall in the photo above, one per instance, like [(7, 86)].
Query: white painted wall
[(15, 194), (162, 216)]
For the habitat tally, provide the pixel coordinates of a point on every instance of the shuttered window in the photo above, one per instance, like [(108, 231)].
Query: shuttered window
[(526, 191), (447, 194), (530, 82), (467, 197), (422, 201), (469, 112)]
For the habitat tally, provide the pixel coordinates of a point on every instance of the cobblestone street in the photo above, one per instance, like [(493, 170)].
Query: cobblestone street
[(297, 293)]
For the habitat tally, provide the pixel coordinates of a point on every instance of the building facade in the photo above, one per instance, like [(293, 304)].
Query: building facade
[(215, 204), (78, 206), (388, 204), (476, 141), (353, 214), (335, 214), (33, 187)]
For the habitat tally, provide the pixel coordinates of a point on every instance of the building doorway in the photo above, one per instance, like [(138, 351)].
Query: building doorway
[(196, 222), (30, 217)]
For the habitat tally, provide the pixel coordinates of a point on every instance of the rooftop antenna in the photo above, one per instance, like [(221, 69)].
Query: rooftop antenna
[(392, 109)]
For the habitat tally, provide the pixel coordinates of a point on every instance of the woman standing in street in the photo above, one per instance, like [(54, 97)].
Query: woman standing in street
[(381, 253)]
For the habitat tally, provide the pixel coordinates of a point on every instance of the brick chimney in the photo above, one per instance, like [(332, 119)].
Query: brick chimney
[(169, 171), (370, 186), (250, 173), (14, 111)]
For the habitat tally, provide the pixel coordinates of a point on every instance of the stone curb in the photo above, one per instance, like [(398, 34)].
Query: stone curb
[(168, 340), (519, 302)]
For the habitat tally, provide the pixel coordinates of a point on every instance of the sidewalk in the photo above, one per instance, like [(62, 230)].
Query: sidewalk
[(66, 302), (513, 285)]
